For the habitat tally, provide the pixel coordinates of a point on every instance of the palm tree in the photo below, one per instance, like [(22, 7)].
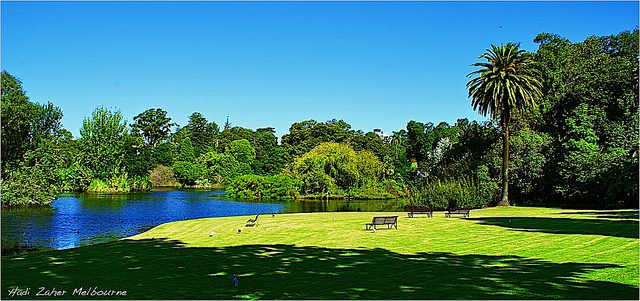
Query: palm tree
[(395, 140), (508, 81)]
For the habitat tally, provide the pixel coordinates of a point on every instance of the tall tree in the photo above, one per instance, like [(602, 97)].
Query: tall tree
[(506, 82), (590, 111), (103, 138), (202, 132), (153, 124), (24, 123)]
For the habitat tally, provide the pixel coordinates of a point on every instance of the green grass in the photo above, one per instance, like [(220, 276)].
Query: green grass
[(541, 254)]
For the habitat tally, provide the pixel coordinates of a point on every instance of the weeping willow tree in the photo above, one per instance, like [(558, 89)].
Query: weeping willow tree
[(506, 82)]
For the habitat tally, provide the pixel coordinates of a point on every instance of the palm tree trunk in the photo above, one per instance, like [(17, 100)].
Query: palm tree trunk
[(504, 201)]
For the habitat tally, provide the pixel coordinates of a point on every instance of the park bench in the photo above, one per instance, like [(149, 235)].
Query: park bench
[(383, 220), (252, 221), (420, 210), (450, 211)]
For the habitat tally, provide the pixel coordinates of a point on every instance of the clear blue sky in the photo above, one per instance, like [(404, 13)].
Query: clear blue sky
[(375, 65)]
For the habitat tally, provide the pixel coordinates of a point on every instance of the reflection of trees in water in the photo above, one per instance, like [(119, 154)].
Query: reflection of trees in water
[(13, 227)]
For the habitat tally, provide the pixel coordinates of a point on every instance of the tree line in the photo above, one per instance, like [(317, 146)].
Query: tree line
[(576, 145)]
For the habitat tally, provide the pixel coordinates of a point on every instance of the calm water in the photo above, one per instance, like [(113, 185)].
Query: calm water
[(78, 219)]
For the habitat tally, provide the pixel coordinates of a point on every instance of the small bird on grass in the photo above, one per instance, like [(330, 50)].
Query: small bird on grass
[(211, 234), (239, 230), (235, 280)]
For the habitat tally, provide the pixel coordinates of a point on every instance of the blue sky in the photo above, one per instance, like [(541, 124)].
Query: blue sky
[(375, 65)]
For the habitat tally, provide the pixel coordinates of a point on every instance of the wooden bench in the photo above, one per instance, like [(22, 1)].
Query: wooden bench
[(252, 221), (383, 220), (420, 210), (450, 211)]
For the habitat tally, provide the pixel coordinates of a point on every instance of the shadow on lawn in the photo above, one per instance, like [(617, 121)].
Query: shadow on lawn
[(625, 214), (159, 269), (616, 228)]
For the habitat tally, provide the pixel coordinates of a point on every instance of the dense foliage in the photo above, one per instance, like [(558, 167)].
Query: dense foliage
[(576, 145), (335, 169), (255, 187)]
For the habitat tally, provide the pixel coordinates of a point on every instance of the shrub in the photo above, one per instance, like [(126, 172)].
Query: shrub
[(330, 168), (74, 178), (264, 188), (140, 183), (163, 176), (188, 173), (27, 187), (462, 193), (222, 168), (120, 183)]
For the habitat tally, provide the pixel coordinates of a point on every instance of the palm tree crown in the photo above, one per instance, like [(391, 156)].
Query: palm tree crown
[(507, 81)]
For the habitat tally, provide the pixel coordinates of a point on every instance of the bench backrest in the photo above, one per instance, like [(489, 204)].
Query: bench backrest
[(421, 209), (380, 220), (458, 210)]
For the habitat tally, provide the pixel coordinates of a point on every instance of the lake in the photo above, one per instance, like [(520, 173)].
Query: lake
[(78, 219)]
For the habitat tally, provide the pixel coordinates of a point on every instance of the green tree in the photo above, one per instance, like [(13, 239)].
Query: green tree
[(201, 132), (507, 82), (242, 151), (187, 173), (223, 168), (186, 151), (590, 111), (336, 168), (103, 139), (24, 123), (305, 135), (153, 124)]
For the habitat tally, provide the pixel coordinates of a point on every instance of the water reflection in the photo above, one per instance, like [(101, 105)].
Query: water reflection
[(78, 219)]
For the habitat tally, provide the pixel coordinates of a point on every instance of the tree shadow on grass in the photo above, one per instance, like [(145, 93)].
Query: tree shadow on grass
[(624, 214), (159, 269), (616, 228)]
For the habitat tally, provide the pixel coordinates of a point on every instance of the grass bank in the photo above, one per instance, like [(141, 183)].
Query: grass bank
[(498, 253)]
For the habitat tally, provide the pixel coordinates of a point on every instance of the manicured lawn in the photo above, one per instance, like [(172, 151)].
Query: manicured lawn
[(541, 253)]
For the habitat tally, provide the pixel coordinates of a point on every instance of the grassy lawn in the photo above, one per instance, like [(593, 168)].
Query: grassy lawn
[(498, 253)]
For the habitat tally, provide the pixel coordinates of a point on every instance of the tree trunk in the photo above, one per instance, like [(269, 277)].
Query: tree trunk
[(504, 201)]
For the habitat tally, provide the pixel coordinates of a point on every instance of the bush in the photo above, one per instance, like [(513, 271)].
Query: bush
[(74, 178), (188, 173), (222, 168), (163, 176), (331, 168), (370, 192), (460, 193), (120, 184), (395, 188), (140, 183), (255, 187), (27, 187)]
